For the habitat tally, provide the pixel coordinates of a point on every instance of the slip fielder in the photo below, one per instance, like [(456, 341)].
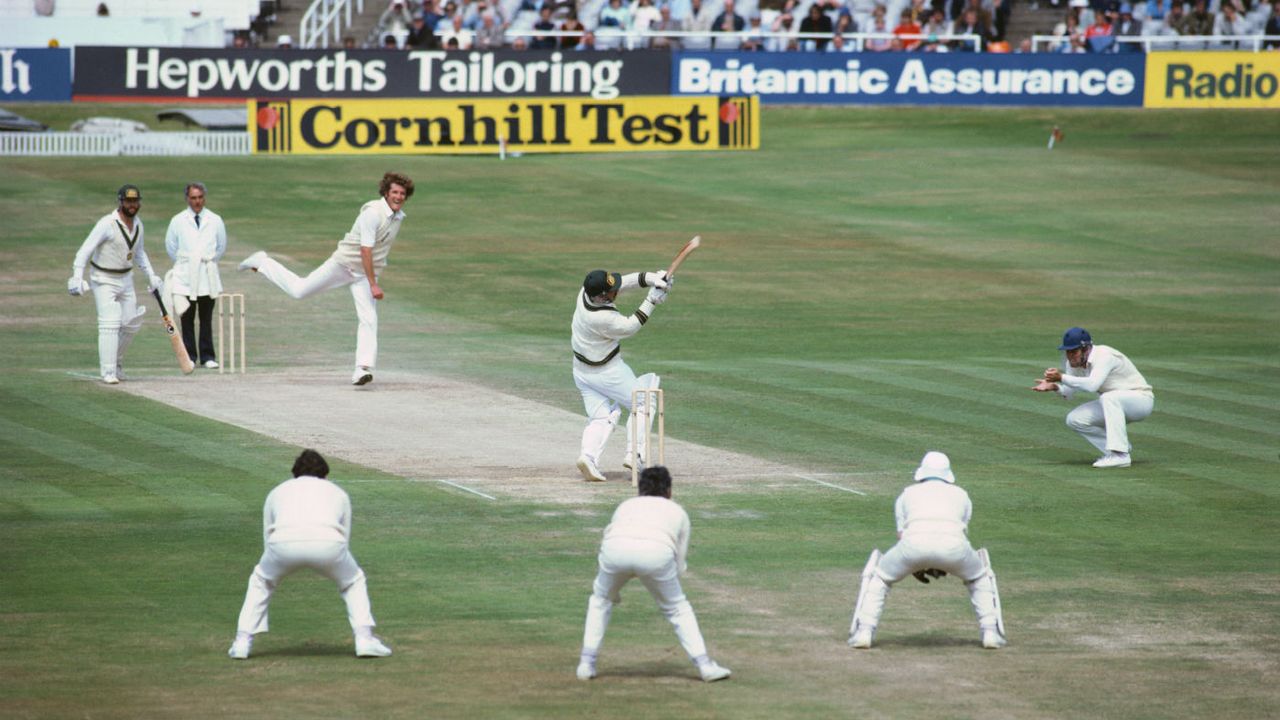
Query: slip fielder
[(648, 538)]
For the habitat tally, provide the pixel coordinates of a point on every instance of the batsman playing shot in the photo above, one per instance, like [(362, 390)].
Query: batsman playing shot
[(114, 247), (358, 262), (604, 379), (933, 520)]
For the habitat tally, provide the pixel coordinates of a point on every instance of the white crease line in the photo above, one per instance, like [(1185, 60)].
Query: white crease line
[(463, 488), (830, 485), (85, 376)]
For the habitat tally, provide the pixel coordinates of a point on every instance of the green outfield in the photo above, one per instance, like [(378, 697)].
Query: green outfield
[(873, 284)]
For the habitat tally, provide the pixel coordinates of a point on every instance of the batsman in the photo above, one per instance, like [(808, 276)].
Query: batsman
[(112, 249), (600, 373)]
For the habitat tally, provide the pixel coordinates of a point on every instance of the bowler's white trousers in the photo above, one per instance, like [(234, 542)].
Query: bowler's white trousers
[(1105, 422), (606, 389), (119, 318), (948, 551), (654, 563), (326, 277), (329, 558)]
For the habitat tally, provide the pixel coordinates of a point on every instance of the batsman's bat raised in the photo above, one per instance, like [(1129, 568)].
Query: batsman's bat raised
[(688, 248), (184, 360)]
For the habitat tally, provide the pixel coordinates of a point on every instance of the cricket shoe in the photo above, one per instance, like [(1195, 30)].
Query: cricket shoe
[(992, 639), (712, 671), (862, 637), (1113, 460), (252, 262), (240, 648), (589, 471), (362, 376), (211, 364), (110, 379), (367, 647), (586, 670), (629, 461)]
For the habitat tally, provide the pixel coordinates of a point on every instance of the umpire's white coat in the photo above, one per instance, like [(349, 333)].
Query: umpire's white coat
[(188, 246)]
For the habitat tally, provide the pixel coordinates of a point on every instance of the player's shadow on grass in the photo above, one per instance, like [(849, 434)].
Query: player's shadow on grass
[(656, 670), (307, 650), (929, 641)]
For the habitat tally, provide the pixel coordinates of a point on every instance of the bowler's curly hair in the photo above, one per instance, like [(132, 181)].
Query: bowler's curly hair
[(403, 181), (311, 464)]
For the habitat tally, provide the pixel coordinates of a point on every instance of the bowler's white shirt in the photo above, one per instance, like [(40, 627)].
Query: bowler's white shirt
[(933, 506), (652, 518), (306, 509)]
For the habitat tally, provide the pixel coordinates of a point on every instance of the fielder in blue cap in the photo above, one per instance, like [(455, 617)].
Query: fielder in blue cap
[(1123, 394)]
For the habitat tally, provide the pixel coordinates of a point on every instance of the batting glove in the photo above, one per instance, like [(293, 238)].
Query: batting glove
[(77, 286), (154, 283), (657, 279), (657, 296)]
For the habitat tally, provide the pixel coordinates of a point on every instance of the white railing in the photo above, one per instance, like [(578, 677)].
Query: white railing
[(72, 144), (632, 39), (327, 18), (1247, 43)]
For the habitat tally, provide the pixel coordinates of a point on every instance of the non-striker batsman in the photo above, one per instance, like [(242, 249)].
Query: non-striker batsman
[(114, 247)]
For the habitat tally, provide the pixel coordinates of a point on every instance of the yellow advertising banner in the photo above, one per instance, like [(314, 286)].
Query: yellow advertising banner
[(1212, 80), (491, 126)]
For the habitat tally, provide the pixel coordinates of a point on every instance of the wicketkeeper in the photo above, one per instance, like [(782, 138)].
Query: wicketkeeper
[(933, 520), (112, 249), (603, 378)]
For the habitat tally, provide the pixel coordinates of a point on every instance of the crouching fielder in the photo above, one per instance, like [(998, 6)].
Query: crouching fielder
[(1123, 395), (306, 523), (648, 538), (602, 377), (933, 518)]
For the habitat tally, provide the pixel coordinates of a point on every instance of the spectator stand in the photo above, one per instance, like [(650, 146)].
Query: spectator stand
[(1155, 41), (164, 23)]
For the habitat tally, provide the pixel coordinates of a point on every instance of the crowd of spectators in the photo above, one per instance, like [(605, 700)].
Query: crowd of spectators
[(816, 25), (813, 25), (1112, 26)]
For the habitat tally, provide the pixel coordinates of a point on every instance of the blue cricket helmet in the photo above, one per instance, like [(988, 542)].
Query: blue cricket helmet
[(1074, 338)]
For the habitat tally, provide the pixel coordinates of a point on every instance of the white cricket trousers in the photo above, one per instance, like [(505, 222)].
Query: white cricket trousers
[(331, 559), (606, 389), (119, 317), (950, 552), (1104, 422), (655, 564), (326, 277)]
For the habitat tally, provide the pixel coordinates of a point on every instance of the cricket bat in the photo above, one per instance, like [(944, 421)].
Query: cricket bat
[(175, 338), (688, 248)]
